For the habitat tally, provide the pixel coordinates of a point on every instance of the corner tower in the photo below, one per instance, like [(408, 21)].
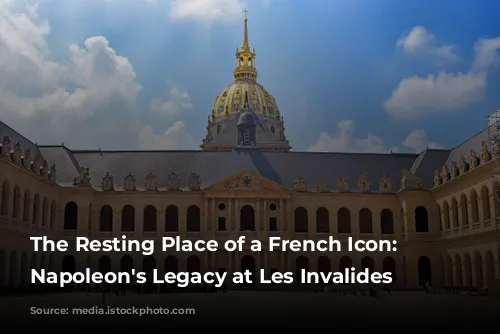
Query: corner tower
[(245, 94)]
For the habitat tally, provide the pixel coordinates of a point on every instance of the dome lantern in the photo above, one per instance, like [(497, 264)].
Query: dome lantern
[(245, 58)]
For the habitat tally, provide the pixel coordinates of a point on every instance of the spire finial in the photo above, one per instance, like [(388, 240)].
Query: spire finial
[(245, 36)]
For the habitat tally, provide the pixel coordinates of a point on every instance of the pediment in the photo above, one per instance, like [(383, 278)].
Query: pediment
[(246, 182)]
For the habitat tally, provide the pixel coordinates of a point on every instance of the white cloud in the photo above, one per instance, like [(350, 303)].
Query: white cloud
[(344, 141), (487, 53), (418, 141), (207, 10), (175, 138), (88, 101), (445, 92), (178, 102), (420, 42)]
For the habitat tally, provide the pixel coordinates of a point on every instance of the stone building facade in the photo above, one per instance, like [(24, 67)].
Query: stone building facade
[(439, 205)]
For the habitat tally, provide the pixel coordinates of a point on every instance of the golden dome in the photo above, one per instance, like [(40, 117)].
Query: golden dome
[(231, 100)]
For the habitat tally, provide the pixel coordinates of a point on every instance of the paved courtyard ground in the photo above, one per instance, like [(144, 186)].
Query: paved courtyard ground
[(247, 309)]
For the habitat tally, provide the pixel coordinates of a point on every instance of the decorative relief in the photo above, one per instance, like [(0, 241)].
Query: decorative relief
[(363, 184), (437, 178), (384, 185), (299, 184), (445, 175), (27, 159), (321, 185), (495, 148), (194, 181), (151, 184), (410, 181), (129, 182), (463, 166), (473, 159), (172, 182), (34, 167), (44, 170), (17, 153), (485, 155), (342, 185), (108, 182), (82, 180), (53, 173), (6, 146), (453, 170)]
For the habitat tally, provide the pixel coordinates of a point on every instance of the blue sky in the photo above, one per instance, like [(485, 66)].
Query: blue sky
[(357, 75)]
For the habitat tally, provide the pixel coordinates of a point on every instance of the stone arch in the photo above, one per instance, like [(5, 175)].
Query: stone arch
[(126, 264), (478, 270), (148, 266), (193, 264), (386, 222), (389, 266), (25, 269), (367, 262), (171, 264), (16, 206), (171, 219), (365, 221), (104, 264), (485, 201), (474, 206), (464, 210), (324, 264), (128, 218), (71, 216), (424, 270), (45, 211), (448, 271), (454, 212), (33, 263), (106, 219), (5, 203), (457, 264), (36, 209), (467, 279), (345, 263), (421, 219), (322, 220), (193, 218), (301, 263), (440, 221), (149, 219), (53, 214), (344, 220), (68, 264), (446, 215), (13, 269), (26, 205), (301, 220), (247, 262), (489, 262)]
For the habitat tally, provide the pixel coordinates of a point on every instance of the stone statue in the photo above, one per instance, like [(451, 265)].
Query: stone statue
[(172, 182), (363, 184), (6, 146), (151, 184), (129, 182), (462, 165), (437, 178), (385, 185), (342, 185), (194, 181), (44, 170), (53, 173), (299, 184), (82, 180), (27, 159), (485, 155), (473, 159), (17, 153), (107, 183), (321, 185)]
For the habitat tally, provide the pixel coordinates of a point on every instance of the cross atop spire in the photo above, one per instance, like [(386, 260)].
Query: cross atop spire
[(245, 11)]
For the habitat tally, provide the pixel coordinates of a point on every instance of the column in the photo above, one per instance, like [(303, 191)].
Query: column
[(117, 221), (160, 221), (281, 217), (229, 215), (334, 222), (139, 222), (205, 224), (258, 216), (236, 222)]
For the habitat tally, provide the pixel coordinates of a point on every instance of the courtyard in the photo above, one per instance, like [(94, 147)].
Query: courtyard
[(251, 309)]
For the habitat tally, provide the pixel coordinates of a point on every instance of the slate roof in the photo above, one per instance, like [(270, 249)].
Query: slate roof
[(215, 166)]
